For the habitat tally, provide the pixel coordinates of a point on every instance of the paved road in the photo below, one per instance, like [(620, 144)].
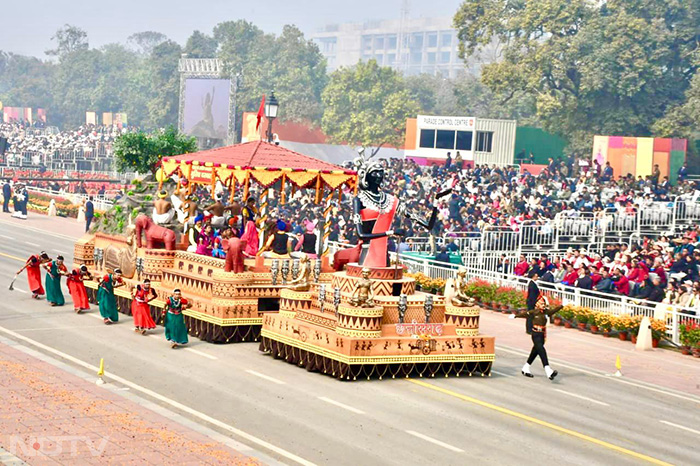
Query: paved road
[(305, 418)]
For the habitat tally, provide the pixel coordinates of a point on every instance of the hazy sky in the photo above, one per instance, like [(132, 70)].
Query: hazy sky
[(27, 26)]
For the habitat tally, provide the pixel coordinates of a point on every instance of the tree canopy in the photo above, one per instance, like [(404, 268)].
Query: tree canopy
[(613, 67), (141, 152), (367, 105)]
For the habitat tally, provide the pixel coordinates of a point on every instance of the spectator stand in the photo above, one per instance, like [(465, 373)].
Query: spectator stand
[(617, 305)]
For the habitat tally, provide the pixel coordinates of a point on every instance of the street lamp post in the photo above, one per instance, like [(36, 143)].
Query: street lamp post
[(271, 107)]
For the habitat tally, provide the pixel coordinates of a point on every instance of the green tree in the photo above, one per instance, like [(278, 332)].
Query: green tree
[(289, 64), (610, 67), (200, 45), (68, 39), (367, 105), (141, 152), (164, 94), (144, 42)]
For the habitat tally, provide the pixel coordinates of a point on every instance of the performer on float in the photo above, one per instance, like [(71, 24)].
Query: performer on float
[(163, 211), (77, 290), (175, 328), (105, 296), (374, 211), (193, 233), (33, 268), (251, 239), (248, 213), (54, 270), (278, 242), (539, 335), (140, 309)]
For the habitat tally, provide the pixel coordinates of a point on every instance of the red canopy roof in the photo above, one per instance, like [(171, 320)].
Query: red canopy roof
[(257, 154)]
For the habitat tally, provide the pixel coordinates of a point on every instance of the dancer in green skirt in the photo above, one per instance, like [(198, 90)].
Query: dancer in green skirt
[(54, 270), (175, 328), (105, 296)]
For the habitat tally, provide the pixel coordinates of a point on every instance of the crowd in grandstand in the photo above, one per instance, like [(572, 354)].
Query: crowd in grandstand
[(36, 144)]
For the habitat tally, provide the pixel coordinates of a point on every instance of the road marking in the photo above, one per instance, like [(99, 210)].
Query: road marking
[(192, 350), (55, 328), (57, 251), (19, 289), (266, 377), (436, 442), (7, 237), (251, 438), (616, 379), (92, 314), (539, 422), (681, 427), (12, 257), (341, 405), (501, 373), (38, 230), (31, 244), (581, 397)]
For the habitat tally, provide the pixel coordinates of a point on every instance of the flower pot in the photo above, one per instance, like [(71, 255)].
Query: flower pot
[(654, 343), (557, 321), (567, 324), (594, 329), (622, 336), (581, 326), (606, 333), (696, 352), (685, 350), (633, 338)]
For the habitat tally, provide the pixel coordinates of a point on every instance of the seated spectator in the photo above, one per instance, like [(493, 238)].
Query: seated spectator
[(622, 285), (605, 284)]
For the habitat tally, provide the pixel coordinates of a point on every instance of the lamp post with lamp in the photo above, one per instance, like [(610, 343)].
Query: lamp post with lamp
[(271, 107)]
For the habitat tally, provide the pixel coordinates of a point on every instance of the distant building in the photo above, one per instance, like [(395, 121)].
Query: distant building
[(478, 140), (413, 46)]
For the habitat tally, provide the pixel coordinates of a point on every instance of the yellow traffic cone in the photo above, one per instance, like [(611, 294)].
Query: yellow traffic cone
[(618, 366), (101, 372)]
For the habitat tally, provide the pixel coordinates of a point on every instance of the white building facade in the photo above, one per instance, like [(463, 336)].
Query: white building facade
[(412, 46), (478, 140)]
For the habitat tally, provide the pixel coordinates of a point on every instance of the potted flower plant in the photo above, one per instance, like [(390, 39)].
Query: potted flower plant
[(593, 321), (688, 337), (658, 330), (635, 323), (567, 315), (604, 322), (581, 316), (621, 324)]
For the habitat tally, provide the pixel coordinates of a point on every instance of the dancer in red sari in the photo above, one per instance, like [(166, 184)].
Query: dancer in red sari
[(140, 310), (33, 267), (77, 290)]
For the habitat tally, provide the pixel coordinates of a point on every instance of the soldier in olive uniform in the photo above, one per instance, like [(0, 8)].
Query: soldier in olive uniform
[(539, 334)]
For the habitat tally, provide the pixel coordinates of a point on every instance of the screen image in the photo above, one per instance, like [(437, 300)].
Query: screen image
[(206, 108)]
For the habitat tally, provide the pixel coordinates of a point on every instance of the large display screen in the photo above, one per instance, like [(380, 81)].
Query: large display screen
[(206, 110)]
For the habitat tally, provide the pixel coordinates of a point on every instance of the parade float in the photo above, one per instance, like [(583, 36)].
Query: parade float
[(227, 306), (359, 317), (370, 321)]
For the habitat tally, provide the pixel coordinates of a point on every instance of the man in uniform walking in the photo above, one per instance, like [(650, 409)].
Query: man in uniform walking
[(539, 335)]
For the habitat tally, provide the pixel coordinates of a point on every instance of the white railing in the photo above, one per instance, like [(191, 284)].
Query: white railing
[(100, 202), (604, 302)]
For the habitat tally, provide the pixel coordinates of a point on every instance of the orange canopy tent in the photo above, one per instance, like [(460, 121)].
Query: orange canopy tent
[(259, 162), (239, 165)]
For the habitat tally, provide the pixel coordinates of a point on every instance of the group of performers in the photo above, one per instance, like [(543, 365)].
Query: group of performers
[(142, 296)]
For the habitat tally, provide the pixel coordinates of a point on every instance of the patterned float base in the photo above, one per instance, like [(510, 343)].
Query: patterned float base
[(314, 362), (214, 333)]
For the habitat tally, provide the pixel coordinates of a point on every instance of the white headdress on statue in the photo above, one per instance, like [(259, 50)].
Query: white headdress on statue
[(364, 166)]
